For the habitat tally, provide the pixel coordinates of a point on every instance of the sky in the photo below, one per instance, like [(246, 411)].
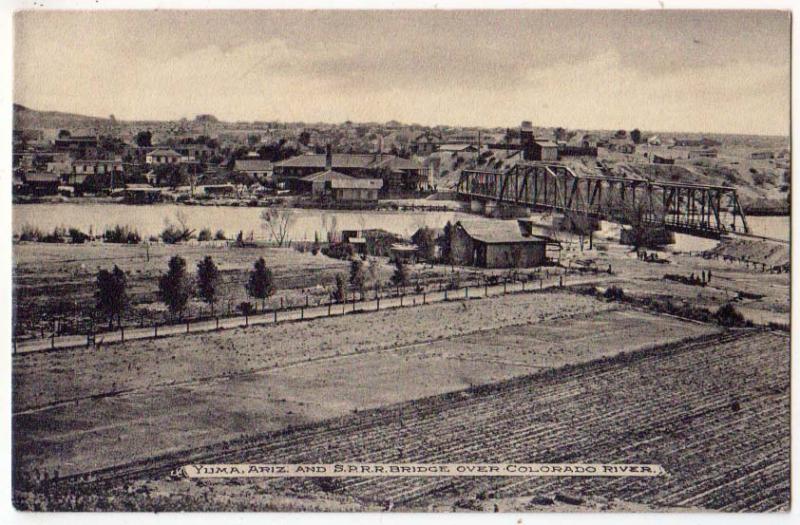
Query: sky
[(705, 71)]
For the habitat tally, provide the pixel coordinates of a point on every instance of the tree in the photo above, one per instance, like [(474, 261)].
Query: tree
[(277, 222), (444, 243), (174, 287), (260, 285), (358, 277), (400, 275), (64, 134), (425, 239), (304, 138), (340, 292), (143, 139), (112, 298), (207, 279), (636, 136)]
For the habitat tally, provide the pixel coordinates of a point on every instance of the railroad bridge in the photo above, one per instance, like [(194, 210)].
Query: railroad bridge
[(701, 210)]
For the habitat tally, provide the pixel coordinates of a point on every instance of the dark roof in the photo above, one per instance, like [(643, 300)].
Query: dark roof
[(497, 232)]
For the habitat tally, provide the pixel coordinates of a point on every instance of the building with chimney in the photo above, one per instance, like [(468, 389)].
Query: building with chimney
[(399, 175)]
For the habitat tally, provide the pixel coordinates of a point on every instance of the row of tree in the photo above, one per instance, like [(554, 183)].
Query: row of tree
[(176, 287)]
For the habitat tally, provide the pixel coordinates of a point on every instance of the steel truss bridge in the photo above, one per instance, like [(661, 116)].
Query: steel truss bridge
[(701, 210)]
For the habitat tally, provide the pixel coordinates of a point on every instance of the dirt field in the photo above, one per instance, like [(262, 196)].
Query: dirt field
[(714, 413), (156, 396)]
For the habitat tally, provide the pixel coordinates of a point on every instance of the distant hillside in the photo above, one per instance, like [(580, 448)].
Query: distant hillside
[(25, 118)]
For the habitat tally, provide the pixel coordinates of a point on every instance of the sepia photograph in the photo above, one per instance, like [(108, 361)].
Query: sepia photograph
[(407, 261)]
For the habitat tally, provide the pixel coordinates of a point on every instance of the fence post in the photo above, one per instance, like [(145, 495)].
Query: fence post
[(329, 307), (466, 292), (217, 320), (424, 298), (122, 333), (53, 341), (540, 283), (504, 287), (155, 328), (302, 312), (281, 303), (187, 326), (401, 300), (377, 303), (523, 286), (246, 319), (306, 300)]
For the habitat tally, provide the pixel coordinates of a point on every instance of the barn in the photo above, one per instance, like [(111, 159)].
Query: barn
[(497, 244)]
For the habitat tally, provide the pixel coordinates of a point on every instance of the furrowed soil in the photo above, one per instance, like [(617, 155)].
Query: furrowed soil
[(713, 412), (139, 399)]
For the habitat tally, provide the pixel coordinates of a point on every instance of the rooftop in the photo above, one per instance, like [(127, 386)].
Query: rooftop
[(325, 176), (498, 232)]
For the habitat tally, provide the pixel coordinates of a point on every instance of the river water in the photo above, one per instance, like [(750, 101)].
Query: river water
[(150, 220)]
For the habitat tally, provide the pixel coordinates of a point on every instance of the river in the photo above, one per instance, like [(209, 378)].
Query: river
[(150, 220)]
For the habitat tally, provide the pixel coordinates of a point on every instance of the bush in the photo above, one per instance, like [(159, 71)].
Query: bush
[(173, 234), (245, 307), (204, 235), (122, 235), (220, 235), (340, 250), (57, 236), (30, 233), (614, 293), (728, 315), (77, 237)]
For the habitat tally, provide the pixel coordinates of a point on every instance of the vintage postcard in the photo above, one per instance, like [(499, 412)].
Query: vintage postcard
[(401, 261)]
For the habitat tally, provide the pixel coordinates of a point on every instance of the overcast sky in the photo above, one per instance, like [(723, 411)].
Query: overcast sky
[(671, 71)]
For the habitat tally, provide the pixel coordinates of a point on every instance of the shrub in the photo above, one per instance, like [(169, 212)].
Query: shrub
[(340, 250), (220, 235), (57, 236), (204, 235), (173, 234), (245, 307), (728, 315), (77, 237), (30, 233), (614, 293), (122, 235)]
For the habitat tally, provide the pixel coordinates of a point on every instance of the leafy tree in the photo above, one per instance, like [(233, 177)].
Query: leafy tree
[(636, 136), (64, 134), (260, 285), (400, 275), (358, 277), (143, 139), (174, 287), (304, 138), (111, 295), (207, 280)]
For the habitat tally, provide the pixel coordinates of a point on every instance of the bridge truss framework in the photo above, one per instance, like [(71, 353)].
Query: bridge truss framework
[(702, 210)]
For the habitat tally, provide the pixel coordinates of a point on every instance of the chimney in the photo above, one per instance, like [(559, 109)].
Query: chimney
[(328, 158)]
